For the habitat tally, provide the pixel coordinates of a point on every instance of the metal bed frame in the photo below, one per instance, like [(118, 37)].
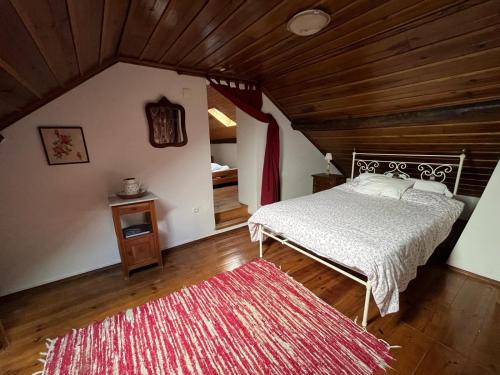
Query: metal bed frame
[(431, 171)]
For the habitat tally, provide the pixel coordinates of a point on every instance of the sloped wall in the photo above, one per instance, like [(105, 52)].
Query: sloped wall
[(55, 219), (299, 158), (478, 249)]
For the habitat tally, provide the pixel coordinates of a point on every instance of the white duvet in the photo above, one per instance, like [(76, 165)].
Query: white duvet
[(384, 238)]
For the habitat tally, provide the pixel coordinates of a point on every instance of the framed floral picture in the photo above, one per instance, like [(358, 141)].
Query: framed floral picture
[(64, 144)]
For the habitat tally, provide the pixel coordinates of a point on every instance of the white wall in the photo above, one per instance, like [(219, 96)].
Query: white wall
[(225, 154), (55, 221), (299, 158), (251, 136), (478, 248)]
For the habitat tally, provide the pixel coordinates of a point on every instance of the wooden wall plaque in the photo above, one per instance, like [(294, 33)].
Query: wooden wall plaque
[(167, 124)]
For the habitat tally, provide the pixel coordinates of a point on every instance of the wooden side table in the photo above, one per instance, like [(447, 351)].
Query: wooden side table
[(136, 249), (324, 181)]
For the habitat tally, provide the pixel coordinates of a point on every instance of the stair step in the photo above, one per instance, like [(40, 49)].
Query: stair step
[(231, 214), (232, 222)]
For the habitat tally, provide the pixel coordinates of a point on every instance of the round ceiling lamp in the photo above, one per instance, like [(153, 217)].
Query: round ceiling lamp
[(308, 22)]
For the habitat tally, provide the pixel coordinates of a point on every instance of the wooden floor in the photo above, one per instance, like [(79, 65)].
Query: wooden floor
[(448, 324)]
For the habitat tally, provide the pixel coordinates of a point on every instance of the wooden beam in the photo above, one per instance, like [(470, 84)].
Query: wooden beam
[(16, 116), (223, 140), (185, 71), (483, 110)]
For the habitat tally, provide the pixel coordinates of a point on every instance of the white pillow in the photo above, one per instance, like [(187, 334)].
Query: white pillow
[(433, 187), (382, 186), (215, 166), (365, 175)]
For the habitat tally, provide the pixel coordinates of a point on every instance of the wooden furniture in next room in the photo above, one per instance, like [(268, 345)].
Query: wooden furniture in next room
[(228, 176), (136, 231), (324, 181)]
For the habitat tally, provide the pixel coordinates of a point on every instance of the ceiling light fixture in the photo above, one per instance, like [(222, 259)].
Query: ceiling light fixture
[(221, 117), (308, 22)]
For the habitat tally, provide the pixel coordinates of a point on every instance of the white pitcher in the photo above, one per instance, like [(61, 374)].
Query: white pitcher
[(131, 186)]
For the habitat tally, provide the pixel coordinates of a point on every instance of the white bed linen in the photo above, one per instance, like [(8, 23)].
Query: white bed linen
[(383, 238), (217, 167)]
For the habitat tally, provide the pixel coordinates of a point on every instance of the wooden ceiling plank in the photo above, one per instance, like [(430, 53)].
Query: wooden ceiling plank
[(212, 15), (6, 109), (276, 18), (492, 139), (341, 13), (388, 20), (266, 43), (49, 26), (473, 44), (448, 98), (456, 67), (13, 93), (371, 53), (470, 171), (174, 22), (217, 130), (14, 74), (489, 77), (485, 111), (415, 129), (86, 25), (348, 30), (20, 55), (142, 19), (450, 136), (236, 23), (415, 148), (114, 17)]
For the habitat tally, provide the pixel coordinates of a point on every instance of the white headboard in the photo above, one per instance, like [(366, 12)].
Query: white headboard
[(427, 170)]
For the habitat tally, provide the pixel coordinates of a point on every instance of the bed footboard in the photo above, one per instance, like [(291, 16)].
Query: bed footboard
[(286, 242)]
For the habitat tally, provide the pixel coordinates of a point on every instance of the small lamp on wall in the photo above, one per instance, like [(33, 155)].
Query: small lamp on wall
[(328, 158)]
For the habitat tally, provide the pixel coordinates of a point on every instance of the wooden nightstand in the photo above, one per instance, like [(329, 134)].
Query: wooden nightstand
[(324, 181), (142, 249)]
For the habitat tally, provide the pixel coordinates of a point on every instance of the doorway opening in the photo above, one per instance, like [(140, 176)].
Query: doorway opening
[(228, 209)]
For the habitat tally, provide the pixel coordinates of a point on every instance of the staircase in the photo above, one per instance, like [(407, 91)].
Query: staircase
[(231, 217)]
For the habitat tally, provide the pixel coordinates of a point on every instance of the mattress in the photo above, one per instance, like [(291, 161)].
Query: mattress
[(383, 238)]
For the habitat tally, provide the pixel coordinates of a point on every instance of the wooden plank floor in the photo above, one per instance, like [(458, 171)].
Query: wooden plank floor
[(448, 323)]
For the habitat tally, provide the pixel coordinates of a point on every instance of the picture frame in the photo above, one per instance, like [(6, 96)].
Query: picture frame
[(64, 144), (167, 124)]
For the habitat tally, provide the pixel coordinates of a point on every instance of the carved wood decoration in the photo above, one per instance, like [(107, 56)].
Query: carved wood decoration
[(167, 124)]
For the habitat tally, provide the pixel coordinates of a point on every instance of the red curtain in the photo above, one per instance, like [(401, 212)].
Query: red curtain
[(249, 100)]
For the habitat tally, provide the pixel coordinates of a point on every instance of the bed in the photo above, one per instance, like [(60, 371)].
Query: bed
[(376, 241), (225, 177)]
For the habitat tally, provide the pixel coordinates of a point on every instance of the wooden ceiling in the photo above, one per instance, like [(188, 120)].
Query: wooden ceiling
[(218, 132), (375, 58)]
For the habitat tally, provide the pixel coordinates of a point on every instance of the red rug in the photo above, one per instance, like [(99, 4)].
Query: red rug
[(253, 320)]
